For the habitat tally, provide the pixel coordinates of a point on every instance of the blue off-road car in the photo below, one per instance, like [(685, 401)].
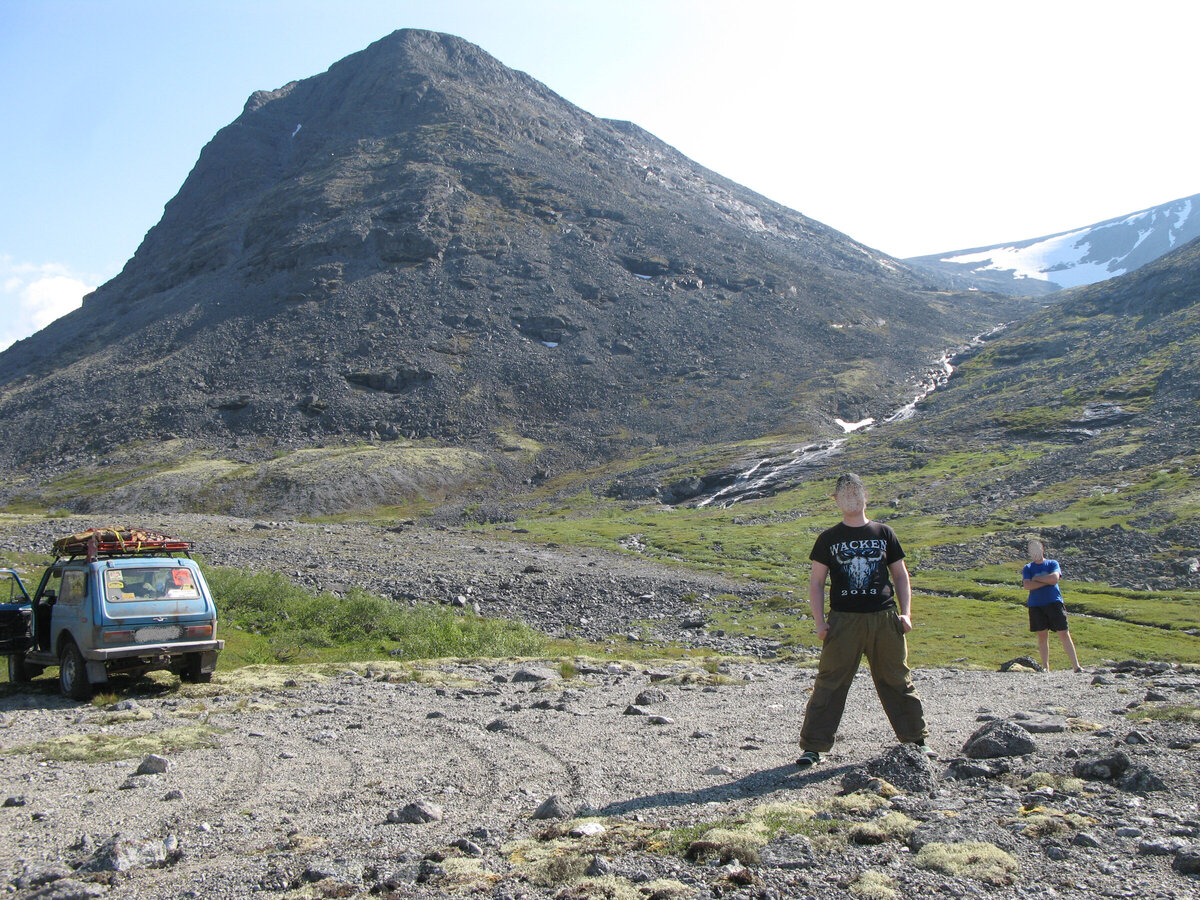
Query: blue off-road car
[(113, 601)]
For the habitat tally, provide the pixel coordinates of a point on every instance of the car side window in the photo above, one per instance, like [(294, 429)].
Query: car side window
[(74, 587), (53, 583)]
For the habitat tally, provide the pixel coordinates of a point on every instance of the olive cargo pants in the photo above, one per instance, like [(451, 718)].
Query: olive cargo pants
[(880, 636)]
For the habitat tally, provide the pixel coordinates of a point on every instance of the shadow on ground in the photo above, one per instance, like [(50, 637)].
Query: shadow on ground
[(756, 784)]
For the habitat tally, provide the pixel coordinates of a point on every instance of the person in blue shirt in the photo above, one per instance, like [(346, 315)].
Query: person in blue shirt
[(1046, 610)]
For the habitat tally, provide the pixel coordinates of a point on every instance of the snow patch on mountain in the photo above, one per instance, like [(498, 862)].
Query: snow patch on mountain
[(1072, 258), (1063, 254)]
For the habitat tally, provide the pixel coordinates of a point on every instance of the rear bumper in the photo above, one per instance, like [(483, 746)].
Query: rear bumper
[(175, 648), (150, 656)]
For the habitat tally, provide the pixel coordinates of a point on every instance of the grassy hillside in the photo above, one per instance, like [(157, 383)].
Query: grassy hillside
[(966, 565)]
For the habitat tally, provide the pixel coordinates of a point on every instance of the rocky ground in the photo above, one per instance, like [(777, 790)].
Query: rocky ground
[(512, 779)]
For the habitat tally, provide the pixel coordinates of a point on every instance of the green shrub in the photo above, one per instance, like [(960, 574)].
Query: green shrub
[(295, 621)]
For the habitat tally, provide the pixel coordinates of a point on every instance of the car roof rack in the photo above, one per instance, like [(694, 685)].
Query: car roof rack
[(118, 542)]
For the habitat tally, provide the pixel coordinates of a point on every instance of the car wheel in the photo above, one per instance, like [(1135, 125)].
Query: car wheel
[(191, 672), (72, 673), (17, 672)]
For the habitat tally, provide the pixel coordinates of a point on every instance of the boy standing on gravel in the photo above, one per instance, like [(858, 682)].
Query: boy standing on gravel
[(1046, 609), (862, 560)]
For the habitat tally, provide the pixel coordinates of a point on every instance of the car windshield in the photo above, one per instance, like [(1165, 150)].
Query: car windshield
[(10, 589), (149, 583)]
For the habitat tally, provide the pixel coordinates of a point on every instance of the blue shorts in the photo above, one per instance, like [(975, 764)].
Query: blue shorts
[(1051, 617)]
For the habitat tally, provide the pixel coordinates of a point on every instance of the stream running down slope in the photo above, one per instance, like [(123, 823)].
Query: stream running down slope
[(768, 476)]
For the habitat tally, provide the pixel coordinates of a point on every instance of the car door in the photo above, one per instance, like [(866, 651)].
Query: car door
[(14, 613)]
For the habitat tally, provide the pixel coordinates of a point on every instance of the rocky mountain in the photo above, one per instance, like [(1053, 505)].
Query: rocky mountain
[(1113, 359), (422, 248), (1071, 258)]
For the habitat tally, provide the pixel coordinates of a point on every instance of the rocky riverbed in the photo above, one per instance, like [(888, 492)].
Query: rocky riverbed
[(610, 778)]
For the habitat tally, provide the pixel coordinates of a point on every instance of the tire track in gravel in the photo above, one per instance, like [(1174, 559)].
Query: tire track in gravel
[(507, 768)]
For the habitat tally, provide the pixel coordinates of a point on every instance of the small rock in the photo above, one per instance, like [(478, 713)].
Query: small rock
[(123, 853), (498, 725), (964, 769), (999, 739), (470, 848), (420, 812), (429, 870), (598, 867), (1086, 840), (650, 696), (554, 807), (1187, 861), (1040, 723), (534, 674), (1102, 768), (153, 765), (1141, 780), (1162, 846), (905, 767), (1022, 664)]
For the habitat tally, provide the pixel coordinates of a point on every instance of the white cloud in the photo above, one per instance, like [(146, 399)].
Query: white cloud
[(32, 296)]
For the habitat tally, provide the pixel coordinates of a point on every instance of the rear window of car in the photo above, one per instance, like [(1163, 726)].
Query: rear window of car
[(129, 584)]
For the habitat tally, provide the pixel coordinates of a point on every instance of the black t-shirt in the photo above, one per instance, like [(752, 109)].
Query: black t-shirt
[(858, 558)]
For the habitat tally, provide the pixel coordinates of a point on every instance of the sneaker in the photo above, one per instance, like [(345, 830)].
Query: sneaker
[(808, 759)]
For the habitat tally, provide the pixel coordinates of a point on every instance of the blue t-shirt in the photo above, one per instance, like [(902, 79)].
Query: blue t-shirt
[(1047, 593)]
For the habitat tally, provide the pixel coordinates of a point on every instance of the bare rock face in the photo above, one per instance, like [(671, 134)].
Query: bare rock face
[(423, 243)]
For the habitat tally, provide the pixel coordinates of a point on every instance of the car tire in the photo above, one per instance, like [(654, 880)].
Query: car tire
[(72, 673), (18, 672), (191, 672)]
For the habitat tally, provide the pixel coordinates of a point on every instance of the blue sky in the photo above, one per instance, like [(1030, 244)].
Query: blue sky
[(914, 127)]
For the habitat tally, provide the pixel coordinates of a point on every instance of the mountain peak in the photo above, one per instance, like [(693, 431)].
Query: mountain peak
[(420, 243)]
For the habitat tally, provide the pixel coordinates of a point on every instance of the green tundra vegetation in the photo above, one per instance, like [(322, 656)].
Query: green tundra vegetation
[(969, 607)]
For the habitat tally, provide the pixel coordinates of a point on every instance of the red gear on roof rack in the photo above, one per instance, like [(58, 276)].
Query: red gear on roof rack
[(126, 541)]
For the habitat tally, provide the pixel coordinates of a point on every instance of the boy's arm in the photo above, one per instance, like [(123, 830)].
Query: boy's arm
[(1045, 578), (816, 597)]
